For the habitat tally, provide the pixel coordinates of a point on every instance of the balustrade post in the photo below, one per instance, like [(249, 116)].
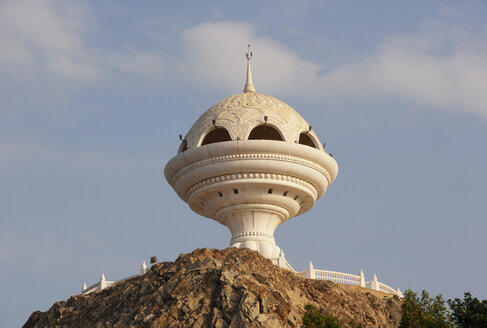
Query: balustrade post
[(143, 268), (374, 284), (103, 282), (281, 260), (362, 278), (399, 293), (311, 271)]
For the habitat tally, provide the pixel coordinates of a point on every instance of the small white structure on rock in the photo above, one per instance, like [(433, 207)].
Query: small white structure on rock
[(251, 162)]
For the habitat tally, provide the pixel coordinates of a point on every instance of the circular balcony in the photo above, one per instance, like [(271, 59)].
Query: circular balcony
[(251, 186)]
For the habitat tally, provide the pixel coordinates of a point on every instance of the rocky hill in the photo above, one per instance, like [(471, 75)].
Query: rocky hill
[(219, 288)]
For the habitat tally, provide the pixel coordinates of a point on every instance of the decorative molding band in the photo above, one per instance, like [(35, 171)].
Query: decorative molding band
[(252, 233), (276, 157), (239, 176)]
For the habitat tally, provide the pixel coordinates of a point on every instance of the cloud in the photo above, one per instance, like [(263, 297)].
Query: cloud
[(144, 64), (12, 157), (440, 67), (48, 54), (214, 55), (443, 65), (49, 39), (46, 36)]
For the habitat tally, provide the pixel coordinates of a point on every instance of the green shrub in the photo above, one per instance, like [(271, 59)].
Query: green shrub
[(424, 312), (469, 313), (313, 318)]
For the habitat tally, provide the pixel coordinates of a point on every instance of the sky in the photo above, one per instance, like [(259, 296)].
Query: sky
[(93, 97)]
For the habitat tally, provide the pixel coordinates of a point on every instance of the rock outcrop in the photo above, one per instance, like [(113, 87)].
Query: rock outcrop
[(219, 288)]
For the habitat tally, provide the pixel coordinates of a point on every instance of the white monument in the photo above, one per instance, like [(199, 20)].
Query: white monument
[(251, 162)]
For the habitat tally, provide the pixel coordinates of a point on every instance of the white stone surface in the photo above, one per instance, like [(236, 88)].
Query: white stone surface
[(251, 186)]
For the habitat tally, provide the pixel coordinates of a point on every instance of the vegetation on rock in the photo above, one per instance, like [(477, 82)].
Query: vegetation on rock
[(313, 318)]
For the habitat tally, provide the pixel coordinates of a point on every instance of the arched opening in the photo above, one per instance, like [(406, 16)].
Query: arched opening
[(265, 132), (305, 139), (216, 135), (183, 147)]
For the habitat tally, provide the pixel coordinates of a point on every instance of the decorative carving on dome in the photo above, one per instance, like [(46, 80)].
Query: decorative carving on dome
[(240, 113)]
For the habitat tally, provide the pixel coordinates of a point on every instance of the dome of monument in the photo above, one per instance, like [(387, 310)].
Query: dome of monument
[(250, 115)]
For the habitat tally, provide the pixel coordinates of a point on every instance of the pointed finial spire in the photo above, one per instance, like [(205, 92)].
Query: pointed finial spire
[(143, 268), (84, 288), (399, 292), (362, 278), (249, 85), (103, 282)]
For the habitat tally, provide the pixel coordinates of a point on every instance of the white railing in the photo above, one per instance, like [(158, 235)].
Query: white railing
[(103, 283), (342, 278), (310, 273), (349, 279), (386, 289)]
